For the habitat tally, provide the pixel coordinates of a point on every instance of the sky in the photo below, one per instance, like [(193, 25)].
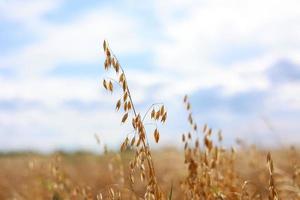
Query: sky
[(238, 60)]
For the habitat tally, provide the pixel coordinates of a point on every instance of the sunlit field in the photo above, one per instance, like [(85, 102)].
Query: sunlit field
[(202, 168), (89, 176)]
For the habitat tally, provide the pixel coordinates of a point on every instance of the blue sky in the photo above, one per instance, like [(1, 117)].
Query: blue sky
[(239, 61)]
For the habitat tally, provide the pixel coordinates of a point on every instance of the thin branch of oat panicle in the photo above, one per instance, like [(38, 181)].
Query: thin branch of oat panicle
[(155, 104), (113, 80), (127, 88)]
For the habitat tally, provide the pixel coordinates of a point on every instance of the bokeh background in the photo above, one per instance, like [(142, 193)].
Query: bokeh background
[(239, 61)]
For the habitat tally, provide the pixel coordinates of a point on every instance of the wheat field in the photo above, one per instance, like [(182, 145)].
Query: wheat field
[(202, 169)]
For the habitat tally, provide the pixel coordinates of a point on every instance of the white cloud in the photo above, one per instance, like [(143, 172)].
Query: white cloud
[(26, 13), (203, 27), (52, 91), (77, 41)]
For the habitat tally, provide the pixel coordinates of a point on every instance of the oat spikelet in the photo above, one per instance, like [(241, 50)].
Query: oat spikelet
[(164, 117), (104, 45), (104, 84), (153, 114), (124, 118), (118, 105), (156, 135), (110, 86)]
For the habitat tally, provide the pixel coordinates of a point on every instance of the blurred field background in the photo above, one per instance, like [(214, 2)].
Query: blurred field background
[(238, 62), (28, 175)]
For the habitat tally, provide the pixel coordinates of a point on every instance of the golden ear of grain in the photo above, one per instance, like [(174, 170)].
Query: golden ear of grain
[(113, 62), (183, 137), (156, 135), (110, 86), (125, 116), (104, 84), (190, 119), (108, 62), (133, 123), (188, 107), (123, 147), (164, 117), (125, 96), (185, 98), (105, 64), (153, 114), (117, 66), (142, 134), (208, 143), (138, 142), (162, 110), (118, 105), (124, 144), (124, 85), (185, 145), (107, 52), (195, 127), (121, 78), (104, 45), (157, 114), (132, 141), (129, 106)]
